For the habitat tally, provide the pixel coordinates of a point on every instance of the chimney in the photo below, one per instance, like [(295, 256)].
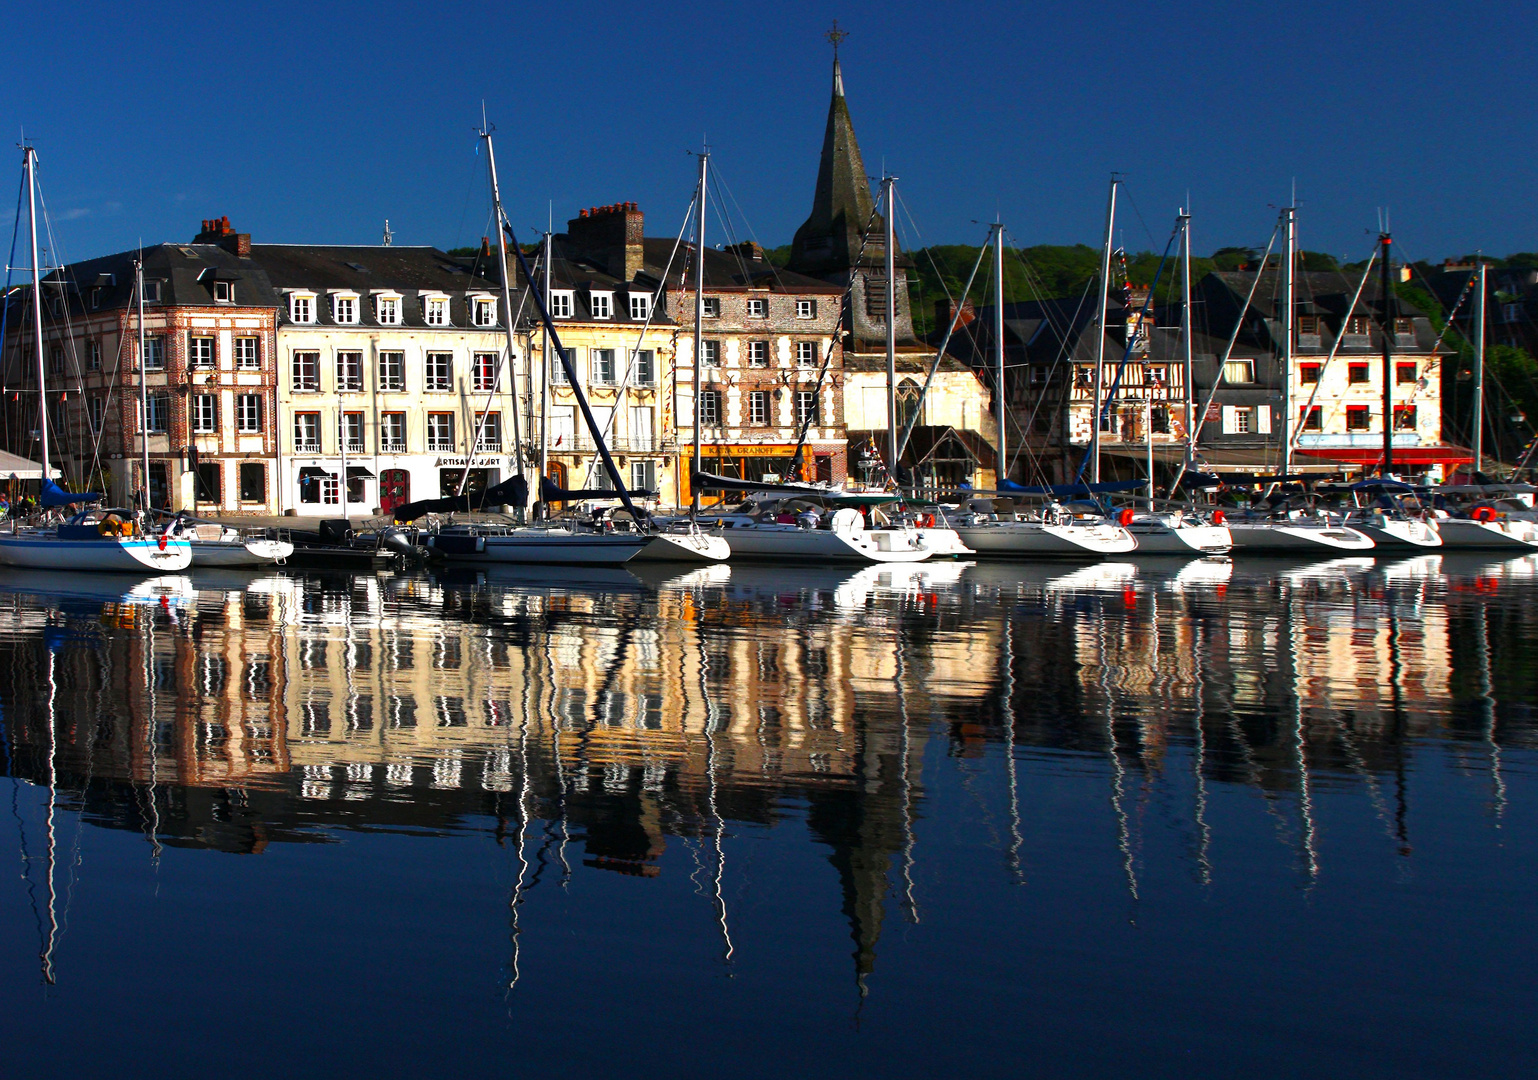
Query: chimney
[(747, 250), (611, 236), (485, 247), (218, 231)]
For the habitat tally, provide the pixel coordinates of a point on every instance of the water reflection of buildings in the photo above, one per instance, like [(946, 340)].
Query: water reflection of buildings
[(630, 713)]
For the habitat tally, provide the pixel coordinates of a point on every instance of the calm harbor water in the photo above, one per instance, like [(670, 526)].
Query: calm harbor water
[(1264, 819)]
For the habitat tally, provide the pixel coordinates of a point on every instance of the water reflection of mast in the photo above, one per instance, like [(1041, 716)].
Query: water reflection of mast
[(1008, 697), (1204, 831), (151, 742), (905, 736), (1118, 772), (1300, 754), (523, 828), (46, 954), (1486, 701), (712, 718)]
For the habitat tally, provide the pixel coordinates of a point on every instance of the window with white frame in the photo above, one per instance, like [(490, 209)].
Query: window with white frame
[(758, 407), (561, 303), (440, 431), (151, 292), (484, 372), (154, 353), (93, 355), (352, 429), (305, 374), (248, 414), (392, 371), (806, 407), (483, 311), (307, 433), (640, 306), (758, 354), (392, 433), (558, 369), (758, 308), (712, 307), (1239, 371), (435, 310), (645, 370), (301, 307), (601, 304), (491, 432), (96, 411), (710, 353), (344, 309), (387, 309), (158, 413), (643, 427), (710, 408), (224, 292), (643, 476), (248, 353), (200, 352), (438, 374), (806, 309), (205, 414), (349, 372), (806, 354), (602, 366)]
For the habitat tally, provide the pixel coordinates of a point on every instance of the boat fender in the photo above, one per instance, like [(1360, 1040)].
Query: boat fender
[(1125, 517), (162, 541), (929, 521), (1483, 513), (1218, 517)]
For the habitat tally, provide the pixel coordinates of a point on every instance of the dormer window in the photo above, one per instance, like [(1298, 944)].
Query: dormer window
[(640, 306), (806, 309), (224, 292), (387, 310), (95, 298), (561, 304), (344, 309), (712, 307), (602, 304), (301, 306), (435, 310), (758, 308), (152, 292), (483, 311)]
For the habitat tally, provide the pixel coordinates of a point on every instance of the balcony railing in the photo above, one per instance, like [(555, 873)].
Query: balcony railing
[(306, 447)]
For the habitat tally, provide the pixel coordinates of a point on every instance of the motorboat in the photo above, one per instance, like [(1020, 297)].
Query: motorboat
[(1295, 531), (1393, 528), (843, 536), (995, 527), (1486, 528)]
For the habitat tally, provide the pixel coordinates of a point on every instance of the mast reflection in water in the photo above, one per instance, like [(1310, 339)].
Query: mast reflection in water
[(929, 818)]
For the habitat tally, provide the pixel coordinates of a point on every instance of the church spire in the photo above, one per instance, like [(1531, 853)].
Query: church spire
[(842, 206)]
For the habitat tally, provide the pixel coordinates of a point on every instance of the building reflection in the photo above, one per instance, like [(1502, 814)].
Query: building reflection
[(229, 713)]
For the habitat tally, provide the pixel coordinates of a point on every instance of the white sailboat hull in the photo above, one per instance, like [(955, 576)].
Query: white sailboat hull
[(1257, 537), (1158, 537), (794, 542), (1398, 534), (1509, 535), (134, 554), (1039, 540), (235, 553), (692, 546)]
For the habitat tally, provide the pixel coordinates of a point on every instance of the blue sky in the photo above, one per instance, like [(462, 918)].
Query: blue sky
[(315, 123)]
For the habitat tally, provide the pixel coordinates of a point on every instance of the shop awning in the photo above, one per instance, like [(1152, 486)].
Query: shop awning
[(1403, 455), (1212, 460), (20, 468), (358, 472)]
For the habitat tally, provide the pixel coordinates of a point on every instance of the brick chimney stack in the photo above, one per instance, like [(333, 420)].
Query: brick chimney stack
[(218, 231), (610, 235)]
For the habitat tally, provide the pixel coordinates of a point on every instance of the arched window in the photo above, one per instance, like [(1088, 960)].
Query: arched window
[(907, 402)]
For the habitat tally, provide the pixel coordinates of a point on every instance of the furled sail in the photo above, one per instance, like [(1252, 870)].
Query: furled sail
[(511, 492)]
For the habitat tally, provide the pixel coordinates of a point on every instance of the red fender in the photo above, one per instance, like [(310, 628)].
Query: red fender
[(1483, 513), (1125, 517), (162, 541), (1218, 517)]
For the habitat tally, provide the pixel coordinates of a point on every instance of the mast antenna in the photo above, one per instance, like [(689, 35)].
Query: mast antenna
[(389, 237)]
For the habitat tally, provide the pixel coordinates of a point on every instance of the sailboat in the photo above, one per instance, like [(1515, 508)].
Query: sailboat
[(94, 539), (601, 541)]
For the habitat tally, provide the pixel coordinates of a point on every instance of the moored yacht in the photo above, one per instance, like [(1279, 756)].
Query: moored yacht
[(995, 527)]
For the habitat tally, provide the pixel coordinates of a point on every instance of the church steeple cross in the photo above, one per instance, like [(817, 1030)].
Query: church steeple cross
[(836, 35)]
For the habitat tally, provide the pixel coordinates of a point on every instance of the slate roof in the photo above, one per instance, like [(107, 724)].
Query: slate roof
[(327, 268), (729, 269), (186, 274)]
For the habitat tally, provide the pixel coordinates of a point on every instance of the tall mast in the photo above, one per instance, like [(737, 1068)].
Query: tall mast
[(699, 330), (998, 345), (507, 308), (544, 381), (1288, 307), (1388, 360), (144, 396), (1100, 316), (30, 158), (1185, 339), (1479, 366), (891, 329)]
